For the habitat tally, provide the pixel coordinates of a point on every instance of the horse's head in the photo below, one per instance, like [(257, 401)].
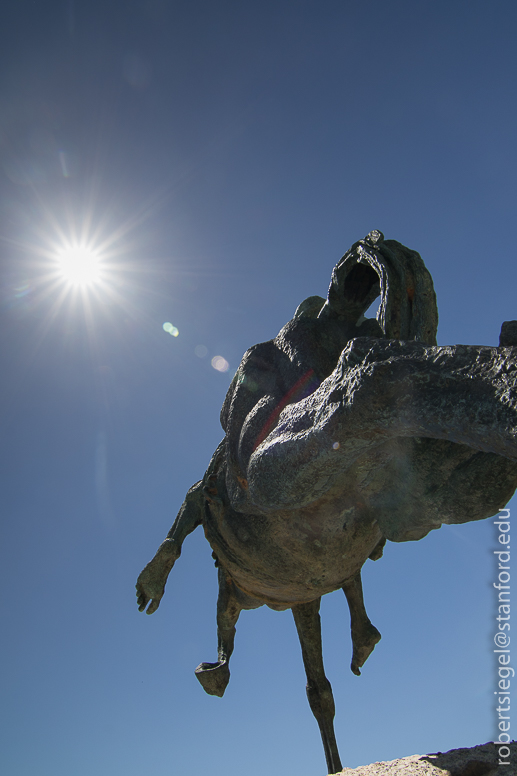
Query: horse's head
[(376, 267)]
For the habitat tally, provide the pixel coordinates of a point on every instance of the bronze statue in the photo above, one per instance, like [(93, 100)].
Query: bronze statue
[(341, 433)]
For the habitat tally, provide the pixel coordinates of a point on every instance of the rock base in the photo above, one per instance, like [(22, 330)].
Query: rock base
[(478, 761)]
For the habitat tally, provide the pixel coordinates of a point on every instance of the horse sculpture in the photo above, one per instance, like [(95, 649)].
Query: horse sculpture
[(341, 433)]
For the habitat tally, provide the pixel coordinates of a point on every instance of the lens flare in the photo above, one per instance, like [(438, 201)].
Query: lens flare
[(220, 364), (170, 329), (201, 351)]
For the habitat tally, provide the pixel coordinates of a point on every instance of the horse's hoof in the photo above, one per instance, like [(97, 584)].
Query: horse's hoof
[(363, 647), (213, 677)]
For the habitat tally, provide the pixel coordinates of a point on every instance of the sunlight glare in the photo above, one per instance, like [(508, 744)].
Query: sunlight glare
[(79, 265)]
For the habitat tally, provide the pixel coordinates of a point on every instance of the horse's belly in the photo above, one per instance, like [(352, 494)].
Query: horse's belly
[(290, 557)]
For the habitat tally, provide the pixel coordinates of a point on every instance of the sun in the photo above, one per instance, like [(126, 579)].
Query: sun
[(79, 265)]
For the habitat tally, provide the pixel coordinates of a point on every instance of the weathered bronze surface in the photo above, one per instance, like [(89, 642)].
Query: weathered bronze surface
[(341, 433)]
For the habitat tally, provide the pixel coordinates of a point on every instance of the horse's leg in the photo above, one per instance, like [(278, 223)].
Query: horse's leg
[(319, 691), (214, 677), (364, 635), (150, 585)]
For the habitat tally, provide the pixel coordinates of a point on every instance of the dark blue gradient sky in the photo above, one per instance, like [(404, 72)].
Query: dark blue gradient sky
[(224, 156)]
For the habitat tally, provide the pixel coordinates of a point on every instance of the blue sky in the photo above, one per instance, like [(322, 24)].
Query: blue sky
[(224, 156)]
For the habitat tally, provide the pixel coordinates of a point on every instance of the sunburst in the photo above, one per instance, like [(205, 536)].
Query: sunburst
[(80, 265)]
